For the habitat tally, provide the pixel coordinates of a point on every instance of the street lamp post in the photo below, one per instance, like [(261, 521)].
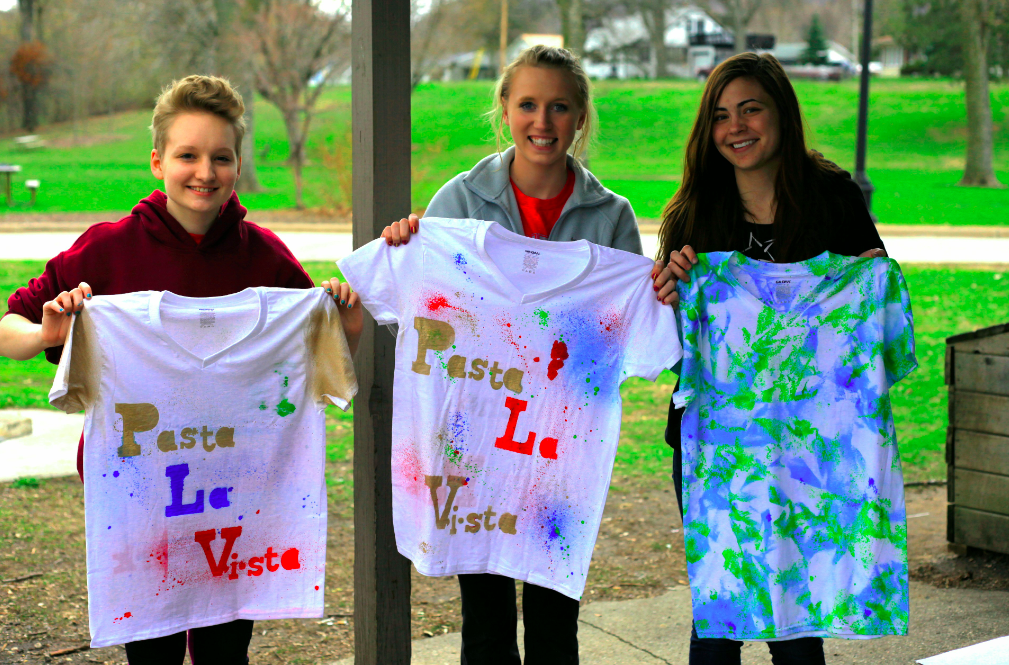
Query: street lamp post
[(863, 109)]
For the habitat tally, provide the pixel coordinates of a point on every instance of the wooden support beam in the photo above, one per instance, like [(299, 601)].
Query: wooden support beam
[(381, 127)]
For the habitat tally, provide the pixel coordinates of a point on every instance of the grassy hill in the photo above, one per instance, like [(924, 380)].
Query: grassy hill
[(917, 140)]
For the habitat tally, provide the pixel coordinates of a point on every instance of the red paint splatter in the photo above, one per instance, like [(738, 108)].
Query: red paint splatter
[(558, 354), (536, 359), (257, 512), (316, 587), (127, 615), (438, 301)]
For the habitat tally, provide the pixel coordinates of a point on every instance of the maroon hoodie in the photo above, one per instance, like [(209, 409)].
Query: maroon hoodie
[(150, 251)]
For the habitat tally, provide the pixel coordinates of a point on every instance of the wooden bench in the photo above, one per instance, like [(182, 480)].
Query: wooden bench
[(977, 439)]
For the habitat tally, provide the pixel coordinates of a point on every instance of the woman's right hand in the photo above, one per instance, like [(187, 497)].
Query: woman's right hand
[(399, 232), (678, 269), (56, 314)]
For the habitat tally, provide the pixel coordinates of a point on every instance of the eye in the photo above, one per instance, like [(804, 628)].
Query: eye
[(719, 117), (186, 155), (560, 107), (224, 158), (751, 109), (527, 106)]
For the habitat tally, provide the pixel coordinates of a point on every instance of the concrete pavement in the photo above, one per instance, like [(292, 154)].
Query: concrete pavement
[(656, 631), (49, 451)]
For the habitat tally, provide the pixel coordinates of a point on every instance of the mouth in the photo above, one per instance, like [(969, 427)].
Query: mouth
[(742, 145), (202, 191), (542, 141)]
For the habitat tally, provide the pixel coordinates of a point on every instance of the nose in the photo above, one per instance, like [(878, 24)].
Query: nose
[(736, 123), (542, 119), (205, 170)]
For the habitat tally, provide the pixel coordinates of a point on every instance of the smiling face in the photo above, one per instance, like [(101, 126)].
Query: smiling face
[(745, 128), (199, 167), (543, 114)]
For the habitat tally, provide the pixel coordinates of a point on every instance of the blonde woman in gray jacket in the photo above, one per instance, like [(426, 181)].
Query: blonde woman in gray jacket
[(536, 188)]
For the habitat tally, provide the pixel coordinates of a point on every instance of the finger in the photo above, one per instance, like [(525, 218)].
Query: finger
[(682, 260), (672, 299), (352, 300), (678, 271), (689, 252), (414, 223), (657, 269), (387, 235), (344, 293), (78, 299), (53, 306), (327, 286), (404, 230), (664, 276), (668, 288), (86, 290), (394, 234), (66, 303)]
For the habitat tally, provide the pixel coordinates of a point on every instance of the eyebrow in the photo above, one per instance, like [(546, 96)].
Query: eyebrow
[(194, 148), (745, 101)]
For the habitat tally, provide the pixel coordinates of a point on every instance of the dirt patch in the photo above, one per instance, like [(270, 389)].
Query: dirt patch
[(639, 554)]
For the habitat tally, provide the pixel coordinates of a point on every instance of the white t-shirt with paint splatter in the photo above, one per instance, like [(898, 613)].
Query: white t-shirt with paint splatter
[(205, 434), (506, 410)]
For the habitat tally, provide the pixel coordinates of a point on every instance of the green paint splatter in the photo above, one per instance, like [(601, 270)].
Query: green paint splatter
[(285, 381), (262, 406), (285, 408), (544, 317)]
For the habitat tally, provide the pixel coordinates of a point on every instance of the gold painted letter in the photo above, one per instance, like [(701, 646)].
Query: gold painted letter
[(136, 418), (431, 335)]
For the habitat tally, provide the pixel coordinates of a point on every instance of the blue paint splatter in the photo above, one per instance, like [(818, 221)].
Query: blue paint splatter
[(115, 474)]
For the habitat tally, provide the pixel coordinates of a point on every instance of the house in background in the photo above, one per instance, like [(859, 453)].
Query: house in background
[(891, 55), (483, 63), (840, 61), (620, 46)]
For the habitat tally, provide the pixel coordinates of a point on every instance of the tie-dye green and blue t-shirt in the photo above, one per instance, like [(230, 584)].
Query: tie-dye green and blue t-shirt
[(792, 488)]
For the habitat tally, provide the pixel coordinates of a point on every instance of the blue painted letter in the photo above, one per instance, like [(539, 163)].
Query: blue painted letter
[(177, 473)]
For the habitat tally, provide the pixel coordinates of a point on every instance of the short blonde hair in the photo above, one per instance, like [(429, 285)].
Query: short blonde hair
[(198, 94), (549, 57)]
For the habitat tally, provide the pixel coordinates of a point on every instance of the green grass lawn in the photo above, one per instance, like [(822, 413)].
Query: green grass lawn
[(945, 301), (916, 144)]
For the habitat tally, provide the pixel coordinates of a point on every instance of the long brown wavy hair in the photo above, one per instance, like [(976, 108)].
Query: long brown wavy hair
[(707, 212)]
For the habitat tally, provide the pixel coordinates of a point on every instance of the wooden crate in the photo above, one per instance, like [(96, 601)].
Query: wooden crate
[(977, 439)]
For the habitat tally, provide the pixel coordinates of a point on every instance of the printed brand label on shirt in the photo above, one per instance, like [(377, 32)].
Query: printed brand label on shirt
[(782, 290), (207, 318), (530, 261)]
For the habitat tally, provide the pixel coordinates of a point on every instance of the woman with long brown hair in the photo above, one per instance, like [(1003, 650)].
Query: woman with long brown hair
[(751, 184)]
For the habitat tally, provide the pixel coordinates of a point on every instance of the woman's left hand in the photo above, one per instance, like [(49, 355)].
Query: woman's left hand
[(873, 254), (351, 313)]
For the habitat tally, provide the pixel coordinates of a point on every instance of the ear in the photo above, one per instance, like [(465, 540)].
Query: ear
[(504, 114), (239, 168), (156, 165), (581, 121)]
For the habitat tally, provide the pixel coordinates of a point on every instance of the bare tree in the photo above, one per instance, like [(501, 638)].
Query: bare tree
[(979, 17), (734, 15), (573, 25), (425, 28), (208, 36), (299, 49), (654, 14), (31, 61)]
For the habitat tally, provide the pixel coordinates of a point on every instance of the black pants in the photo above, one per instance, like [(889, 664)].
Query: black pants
[(224, 644), (719, 651), (490, 621)]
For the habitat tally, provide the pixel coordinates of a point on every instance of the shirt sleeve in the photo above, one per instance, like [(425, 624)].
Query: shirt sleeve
[(898, 325), (652, 343), (331, 367), (379, 273), (75, 386)]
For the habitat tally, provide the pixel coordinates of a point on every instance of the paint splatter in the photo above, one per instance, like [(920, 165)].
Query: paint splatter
[(558, 354), (285, 408), (543, 316)]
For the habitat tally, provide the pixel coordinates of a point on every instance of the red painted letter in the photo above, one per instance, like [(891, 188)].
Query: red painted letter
[(507, 442), (204, 538)]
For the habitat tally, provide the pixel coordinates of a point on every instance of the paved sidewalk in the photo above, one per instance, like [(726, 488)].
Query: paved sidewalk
[(49, 451), (656, 631), (312, 246)]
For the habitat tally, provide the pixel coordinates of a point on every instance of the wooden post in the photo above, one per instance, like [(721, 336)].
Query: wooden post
[(381, 126)]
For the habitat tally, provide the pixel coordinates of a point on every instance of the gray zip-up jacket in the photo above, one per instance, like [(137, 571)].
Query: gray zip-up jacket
[(593, 212)]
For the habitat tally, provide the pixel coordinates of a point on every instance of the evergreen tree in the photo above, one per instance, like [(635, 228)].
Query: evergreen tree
[(816, 45)]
